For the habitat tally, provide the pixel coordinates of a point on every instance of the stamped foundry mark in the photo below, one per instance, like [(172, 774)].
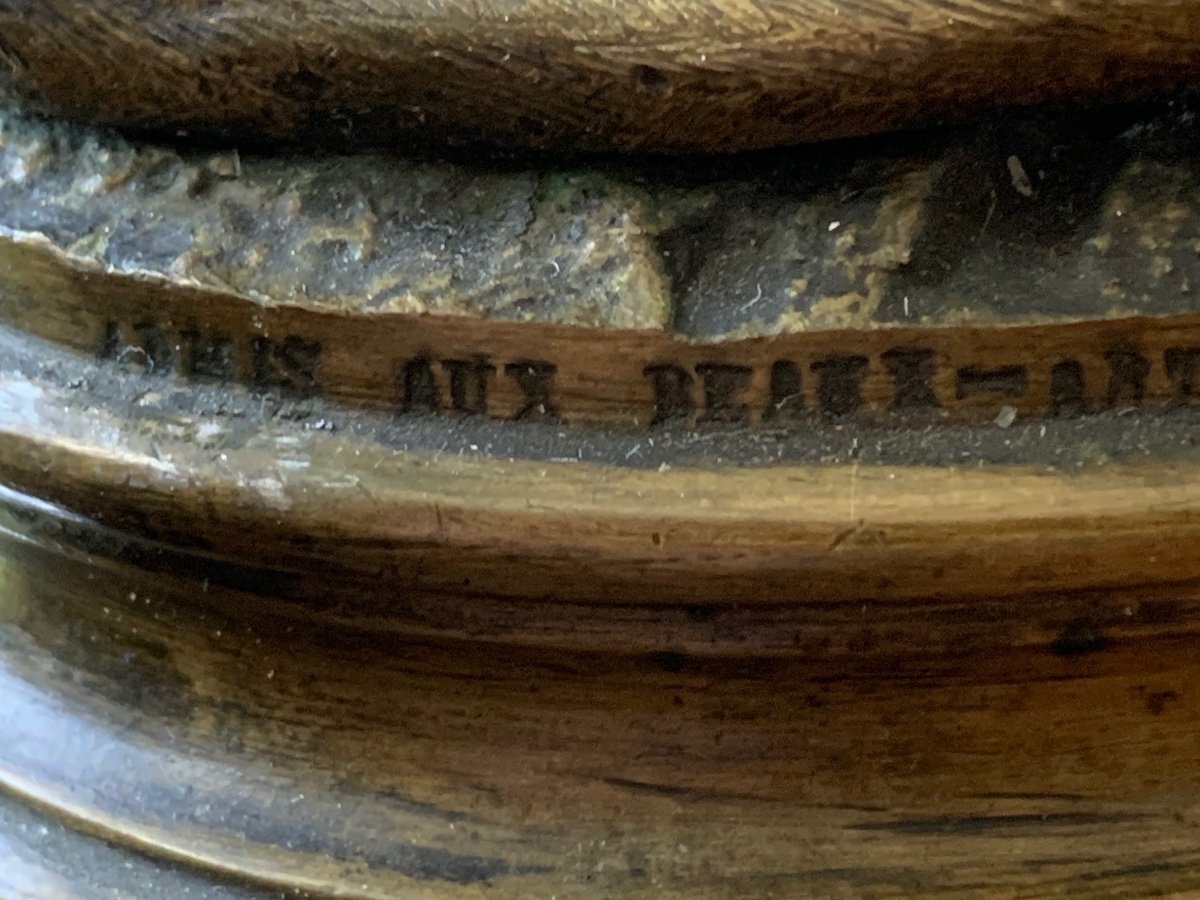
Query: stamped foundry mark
[(694, 393)]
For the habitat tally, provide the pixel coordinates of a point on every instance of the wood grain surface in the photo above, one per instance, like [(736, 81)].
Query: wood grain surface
[(669, 75), (308, 663)]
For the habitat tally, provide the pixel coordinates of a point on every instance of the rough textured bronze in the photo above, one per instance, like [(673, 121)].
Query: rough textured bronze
[(666, 75)]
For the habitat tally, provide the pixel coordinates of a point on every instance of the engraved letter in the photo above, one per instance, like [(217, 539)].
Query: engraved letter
[(535, 379), (839, 385), (157, 346), (672, 394), (469, 384), (1128, 382), (152, 349), (290, 365), (209, 356), (1183, 367), (1067, 392), (786, 403), (911, 370), (110, 340), (723, 386), (421, 392)]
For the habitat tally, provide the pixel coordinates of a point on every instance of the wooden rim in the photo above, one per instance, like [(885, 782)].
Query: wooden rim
[(212, 728), (626, 378), (761, 533)]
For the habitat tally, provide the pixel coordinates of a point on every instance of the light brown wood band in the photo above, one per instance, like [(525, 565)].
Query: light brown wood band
[(671, 75), (458, 518), (627, 378)]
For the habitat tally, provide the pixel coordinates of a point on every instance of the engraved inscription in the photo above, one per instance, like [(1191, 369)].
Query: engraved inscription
[(839, 384), (723, 389), (209, 355), (157, 346), (786, 401), (911, 370), (1183, 368), (289, 365), (1127, 384), (689, 391), (144, 344), (1068, 396), (536, 381), (468, 386), (420, 388), (673, 400), (110, 340), (469, 380)]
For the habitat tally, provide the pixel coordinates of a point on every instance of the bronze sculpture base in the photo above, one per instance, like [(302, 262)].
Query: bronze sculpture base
[(274, 623)]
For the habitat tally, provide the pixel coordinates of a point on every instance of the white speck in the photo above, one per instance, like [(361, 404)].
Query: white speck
[(206, 431), (1007, 416), (757, 296), (906, 307), (1020, 178), (16, 171), (834, 226), (272, 491)]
